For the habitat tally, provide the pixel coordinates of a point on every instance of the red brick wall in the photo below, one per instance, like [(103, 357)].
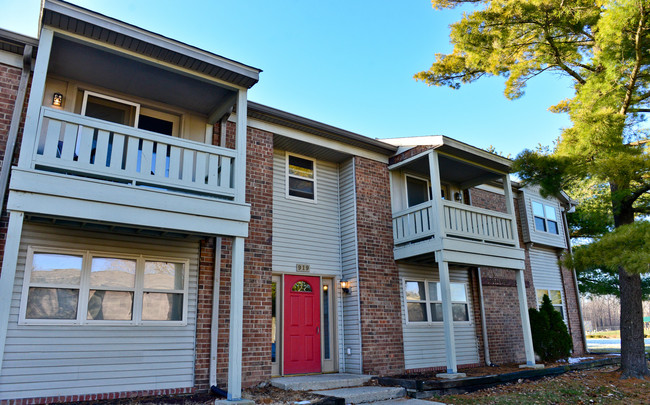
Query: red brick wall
[(120, 395), (381, 324), (476, 310), (256, 352), (9, 83), (204, 314), (572, 308)]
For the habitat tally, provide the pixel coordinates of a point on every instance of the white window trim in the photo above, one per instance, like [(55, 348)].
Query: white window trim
[(428, 303), (421, 178), (84, 288), (563, 305), (546, 219), (87, 93), (286, 179)]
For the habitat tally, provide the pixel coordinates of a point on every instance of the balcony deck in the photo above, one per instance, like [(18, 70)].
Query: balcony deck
[(467, 234), (97, 165)]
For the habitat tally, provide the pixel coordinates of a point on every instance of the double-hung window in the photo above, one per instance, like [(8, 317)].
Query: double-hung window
[(86, 287), (301, 178), (424, 301), (418, 190), (556, 299), (545, 218)]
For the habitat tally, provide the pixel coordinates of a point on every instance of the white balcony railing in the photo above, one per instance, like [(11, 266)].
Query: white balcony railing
[(414, 223), (478, 223), (461, 221), (81, 146)]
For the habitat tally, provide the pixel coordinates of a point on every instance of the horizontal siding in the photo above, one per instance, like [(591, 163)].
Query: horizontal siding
[(41, 361), (349, 259), (543, 238), (424, 345), (306, 232)]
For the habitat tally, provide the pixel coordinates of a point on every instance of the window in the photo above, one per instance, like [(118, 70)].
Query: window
[(545, 218), (417, 190), (555, 297), (125, 112), (301, 177), (84, 287), (424, 301)]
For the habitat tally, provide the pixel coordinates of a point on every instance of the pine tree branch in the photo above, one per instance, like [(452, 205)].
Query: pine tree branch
[(629, 89)]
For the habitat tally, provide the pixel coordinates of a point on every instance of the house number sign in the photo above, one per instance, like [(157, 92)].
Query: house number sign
[(304, 268)]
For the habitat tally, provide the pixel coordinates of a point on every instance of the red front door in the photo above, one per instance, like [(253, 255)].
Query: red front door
[(301, 325)]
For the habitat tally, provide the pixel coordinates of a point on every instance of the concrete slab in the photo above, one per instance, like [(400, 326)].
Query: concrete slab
[(533, 366), (407, 401), (237, 402), (320, 381), (359, 395), (451, 376)]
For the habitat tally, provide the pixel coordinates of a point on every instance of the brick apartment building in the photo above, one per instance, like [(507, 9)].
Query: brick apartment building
[(155, 245)]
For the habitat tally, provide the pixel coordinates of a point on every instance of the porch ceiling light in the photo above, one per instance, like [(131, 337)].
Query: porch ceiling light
[(345, 286), (57, 99)]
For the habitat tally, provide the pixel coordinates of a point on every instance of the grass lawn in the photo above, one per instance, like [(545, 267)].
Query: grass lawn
[(612, 334), (599, 386)]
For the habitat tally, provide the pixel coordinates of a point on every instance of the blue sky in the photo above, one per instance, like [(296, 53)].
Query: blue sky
[(346, 63)]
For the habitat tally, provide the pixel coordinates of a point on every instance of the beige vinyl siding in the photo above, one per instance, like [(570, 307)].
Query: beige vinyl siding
[(349, 263), (530, 233), (305, 232), (546, 271), (48, 360), (424, 344)]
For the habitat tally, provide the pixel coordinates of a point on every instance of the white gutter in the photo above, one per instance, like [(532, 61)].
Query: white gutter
[(214, 329), (15, 121)]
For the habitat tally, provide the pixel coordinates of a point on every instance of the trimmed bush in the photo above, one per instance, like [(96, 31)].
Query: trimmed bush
[(551, 339)]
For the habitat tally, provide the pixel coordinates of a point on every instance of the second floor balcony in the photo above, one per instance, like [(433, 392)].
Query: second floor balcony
[(455, 200)]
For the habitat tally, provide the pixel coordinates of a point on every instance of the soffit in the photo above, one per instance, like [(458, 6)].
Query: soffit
[(77, 20)]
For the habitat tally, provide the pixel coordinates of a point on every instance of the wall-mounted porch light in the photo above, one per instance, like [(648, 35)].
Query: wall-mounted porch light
[(345, 286), (458, 196), (57, 99)]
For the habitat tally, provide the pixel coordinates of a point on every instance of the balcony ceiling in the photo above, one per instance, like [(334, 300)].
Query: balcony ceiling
[(143, 79), (453, 170)]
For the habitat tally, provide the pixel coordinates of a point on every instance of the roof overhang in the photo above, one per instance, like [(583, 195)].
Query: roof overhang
[(83, 22)]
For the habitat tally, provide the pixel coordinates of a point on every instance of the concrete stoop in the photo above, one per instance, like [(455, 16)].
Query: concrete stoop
[(358, 395), (320, 381)]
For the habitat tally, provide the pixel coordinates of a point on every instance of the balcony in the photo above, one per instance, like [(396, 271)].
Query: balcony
[(460, 221), (434, 212), (79, 146)]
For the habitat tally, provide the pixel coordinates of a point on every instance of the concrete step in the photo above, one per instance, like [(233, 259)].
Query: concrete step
[(406, 401), (358, 395), (320, 381)]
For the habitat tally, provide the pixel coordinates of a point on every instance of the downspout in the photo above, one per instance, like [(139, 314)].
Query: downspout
[(214, 329), (486, 348), (15, 122), (575, 282)]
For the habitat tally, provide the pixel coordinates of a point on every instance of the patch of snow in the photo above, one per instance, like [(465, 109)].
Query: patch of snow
[(574, 360), (302, 402)]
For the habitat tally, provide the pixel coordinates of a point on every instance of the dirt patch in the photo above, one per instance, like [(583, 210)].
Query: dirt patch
[(272, 395), (595, 386)]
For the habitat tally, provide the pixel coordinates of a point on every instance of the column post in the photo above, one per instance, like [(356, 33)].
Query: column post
[(236, 320), (8, 275), (525, 322), (447, 319), (240, 163)]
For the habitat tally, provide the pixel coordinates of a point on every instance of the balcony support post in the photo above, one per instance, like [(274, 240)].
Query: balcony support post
[(525, 322), (8, 275), (35, 98), (510, 208), (436, 201), (240, 163), (447, 318), (236, 320)]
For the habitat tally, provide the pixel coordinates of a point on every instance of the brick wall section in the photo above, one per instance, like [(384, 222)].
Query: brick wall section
[(409, 153), (505, 337), (256, 352), (204, 314), (120, 395), (381, 325), (572, 309), (476, 311), (9, 83)]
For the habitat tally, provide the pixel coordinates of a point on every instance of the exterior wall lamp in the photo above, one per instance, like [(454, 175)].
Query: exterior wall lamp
[(345, 286), (57, 99)]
